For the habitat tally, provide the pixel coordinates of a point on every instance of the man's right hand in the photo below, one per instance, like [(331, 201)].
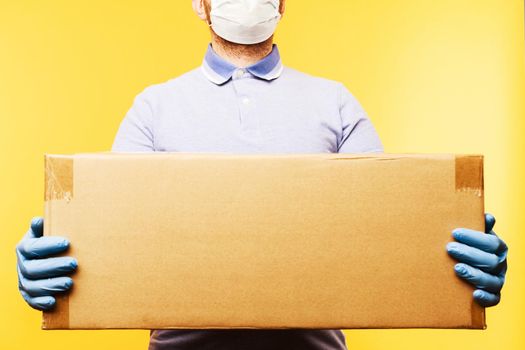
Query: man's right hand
[(41, 276)]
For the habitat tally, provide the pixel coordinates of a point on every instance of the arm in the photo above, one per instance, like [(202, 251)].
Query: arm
[(358, 134), (481, 256), (42, 275), (135, 133)]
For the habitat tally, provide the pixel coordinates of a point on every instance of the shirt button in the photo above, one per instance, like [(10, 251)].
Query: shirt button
[(246, 101), (239, 73)]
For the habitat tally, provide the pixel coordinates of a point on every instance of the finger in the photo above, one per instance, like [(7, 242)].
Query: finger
[(478, 278), (473, 256), (42, 247), (40, 303), (46, 287), (486, 299), (37, 226), (490, 221), (47, 268), (480, 240)]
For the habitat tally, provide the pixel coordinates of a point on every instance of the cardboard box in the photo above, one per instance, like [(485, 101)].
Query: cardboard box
[(290, 241)]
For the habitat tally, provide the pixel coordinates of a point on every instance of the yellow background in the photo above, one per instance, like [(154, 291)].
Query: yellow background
[(435, 76)]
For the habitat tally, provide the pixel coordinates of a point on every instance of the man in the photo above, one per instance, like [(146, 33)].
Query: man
[(243, 100)]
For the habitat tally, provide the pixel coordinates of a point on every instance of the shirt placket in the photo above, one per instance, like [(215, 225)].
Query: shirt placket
[(248, 121)]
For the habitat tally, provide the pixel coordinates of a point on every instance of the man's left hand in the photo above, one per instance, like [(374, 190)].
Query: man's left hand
[(482, 260)]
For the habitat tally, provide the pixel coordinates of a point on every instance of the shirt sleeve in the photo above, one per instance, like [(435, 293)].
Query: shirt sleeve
[(135, 133), (359, 135)]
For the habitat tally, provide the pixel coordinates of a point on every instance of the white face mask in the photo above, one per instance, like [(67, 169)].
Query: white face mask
[(244, 21)]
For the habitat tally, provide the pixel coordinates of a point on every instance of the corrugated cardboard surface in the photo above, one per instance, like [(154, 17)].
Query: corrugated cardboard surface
[(227, 241)]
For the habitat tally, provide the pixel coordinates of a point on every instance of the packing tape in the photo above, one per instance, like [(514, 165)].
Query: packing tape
[(478, 315), (59, 178), (469, 178), (469, 174), (59, 186), (58, 318)]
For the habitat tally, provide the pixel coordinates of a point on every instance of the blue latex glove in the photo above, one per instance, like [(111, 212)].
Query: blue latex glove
[(41, 276), (482, 260)]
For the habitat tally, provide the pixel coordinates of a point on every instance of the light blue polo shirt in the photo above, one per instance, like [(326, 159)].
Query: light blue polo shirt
[(263, 108)]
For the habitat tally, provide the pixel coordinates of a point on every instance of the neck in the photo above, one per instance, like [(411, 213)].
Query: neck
[(238, 54)]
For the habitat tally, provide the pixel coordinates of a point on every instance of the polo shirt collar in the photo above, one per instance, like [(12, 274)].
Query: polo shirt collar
[(219, 71)]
